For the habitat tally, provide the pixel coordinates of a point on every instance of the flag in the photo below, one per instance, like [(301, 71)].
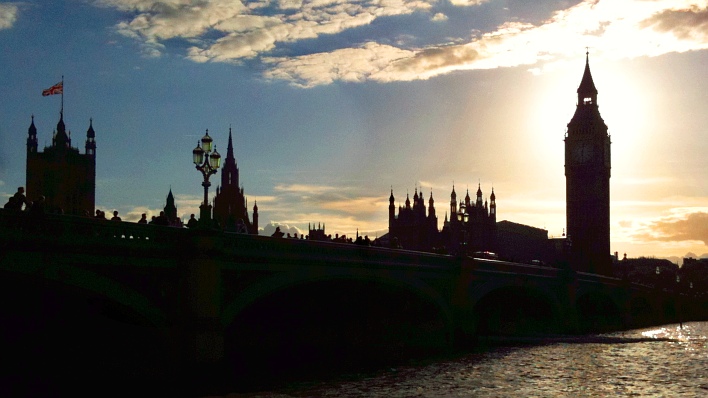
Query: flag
[(55, 89)]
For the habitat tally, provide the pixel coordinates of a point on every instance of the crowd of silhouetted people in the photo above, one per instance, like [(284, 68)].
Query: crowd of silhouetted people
[(36, 208), (363, 241), (19, 202)]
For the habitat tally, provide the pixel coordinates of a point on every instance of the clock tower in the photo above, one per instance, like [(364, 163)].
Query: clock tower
[(587, 189)]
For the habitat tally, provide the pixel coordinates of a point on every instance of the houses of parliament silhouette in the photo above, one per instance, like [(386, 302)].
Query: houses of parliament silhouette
[(67, 179), (473, 226)]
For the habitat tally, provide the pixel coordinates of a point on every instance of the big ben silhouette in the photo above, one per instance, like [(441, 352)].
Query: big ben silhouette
[(587, 176)]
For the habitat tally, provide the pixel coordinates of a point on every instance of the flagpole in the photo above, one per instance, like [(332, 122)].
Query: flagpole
[(62, 95)]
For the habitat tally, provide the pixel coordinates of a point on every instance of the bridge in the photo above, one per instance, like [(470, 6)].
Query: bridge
[(153, 301)]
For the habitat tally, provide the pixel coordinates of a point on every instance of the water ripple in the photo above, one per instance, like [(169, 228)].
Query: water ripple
[(659, 362)]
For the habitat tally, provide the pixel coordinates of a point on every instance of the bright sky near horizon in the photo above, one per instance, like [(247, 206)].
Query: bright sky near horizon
[(332, 103)]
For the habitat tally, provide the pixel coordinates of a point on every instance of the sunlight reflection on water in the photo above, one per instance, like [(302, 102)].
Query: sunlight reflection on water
[(668, 361)]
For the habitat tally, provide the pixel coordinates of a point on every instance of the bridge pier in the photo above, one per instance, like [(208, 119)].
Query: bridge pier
[(199, 330)]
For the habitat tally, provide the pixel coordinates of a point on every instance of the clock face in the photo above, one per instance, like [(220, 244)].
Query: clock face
[(582, 152)]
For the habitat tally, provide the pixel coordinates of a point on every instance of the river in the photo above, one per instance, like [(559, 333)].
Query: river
[(667, 361)]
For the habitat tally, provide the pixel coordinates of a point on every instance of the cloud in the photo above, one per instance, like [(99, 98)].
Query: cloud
[(617, 29), (8, 15), (463, 3), (269, 228), (687, 24), (244, 31), (439, 17), (686, 227), (228, 31)]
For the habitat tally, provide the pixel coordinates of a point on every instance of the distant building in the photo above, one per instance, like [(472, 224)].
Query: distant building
[(65, 177), (412, 228), (317, 233), (230, 204), (587, 172), (171, 211), (471, 227), (523, 243)]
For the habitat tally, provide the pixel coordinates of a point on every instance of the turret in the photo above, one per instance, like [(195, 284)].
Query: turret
[(391, 210), (431, 207), (170, 208), (32, 138), (479, 196), (91, 139), (453, 204), (493, 207), (61, 139), (255, 218)]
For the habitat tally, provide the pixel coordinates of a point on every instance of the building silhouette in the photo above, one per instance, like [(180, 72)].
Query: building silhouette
[(230, 204), (412, 228), (471, 227), (65, 177), (170, 210), (587, 171)]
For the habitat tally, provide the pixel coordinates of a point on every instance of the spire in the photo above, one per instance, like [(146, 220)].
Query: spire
[(390, 198), (90, 139), (32, 137), (230, 147), (90, 133), (62, 139), (229, 172), (492, 197), (587, 93), (170, 208)]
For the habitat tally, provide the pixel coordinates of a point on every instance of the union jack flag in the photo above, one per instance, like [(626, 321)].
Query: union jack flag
[(55, 89)]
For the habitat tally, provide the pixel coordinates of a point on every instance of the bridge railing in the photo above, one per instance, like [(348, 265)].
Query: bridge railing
[(322, 252), (23, 225)]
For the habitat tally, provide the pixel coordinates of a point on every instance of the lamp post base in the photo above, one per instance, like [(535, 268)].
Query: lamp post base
[(205, 216)]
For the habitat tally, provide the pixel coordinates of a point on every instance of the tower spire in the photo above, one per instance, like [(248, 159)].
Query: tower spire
[(587, 93)]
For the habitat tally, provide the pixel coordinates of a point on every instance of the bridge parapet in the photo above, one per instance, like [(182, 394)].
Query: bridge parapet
[(67, 228)]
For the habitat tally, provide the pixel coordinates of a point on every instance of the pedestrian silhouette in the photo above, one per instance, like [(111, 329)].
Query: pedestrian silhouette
[(192, 223), (277, 233)]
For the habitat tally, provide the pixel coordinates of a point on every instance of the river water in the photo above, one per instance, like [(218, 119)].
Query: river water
[(667, 361)]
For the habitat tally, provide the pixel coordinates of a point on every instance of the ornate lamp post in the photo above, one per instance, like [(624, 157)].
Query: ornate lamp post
[(207, 162)]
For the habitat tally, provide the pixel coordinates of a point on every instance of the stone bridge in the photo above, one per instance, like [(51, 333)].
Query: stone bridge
[(159, 300)]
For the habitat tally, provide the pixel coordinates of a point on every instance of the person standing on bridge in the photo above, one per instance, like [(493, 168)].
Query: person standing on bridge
[(192, 223), (17, 200), (115, 216)]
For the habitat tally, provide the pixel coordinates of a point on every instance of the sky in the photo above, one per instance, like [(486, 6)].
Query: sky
[(333, 103)]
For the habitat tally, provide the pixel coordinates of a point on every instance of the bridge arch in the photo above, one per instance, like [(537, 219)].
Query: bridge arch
[(503, 307), (598, 310), (43, 268), (333, 318)]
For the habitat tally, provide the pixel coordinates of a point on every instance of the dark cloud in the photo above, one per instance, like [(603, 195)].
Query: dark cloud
[(693, 227), (684, 24)]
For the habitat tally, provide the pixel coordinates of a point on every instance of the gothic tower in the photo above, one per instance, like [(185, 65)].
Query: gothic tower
[(66, 178), (587, 172), (170, 208), (230, 206)]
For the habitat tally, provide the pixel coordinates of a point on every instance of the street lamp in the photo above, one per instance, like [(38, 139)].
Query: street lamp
[(207, 162)]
